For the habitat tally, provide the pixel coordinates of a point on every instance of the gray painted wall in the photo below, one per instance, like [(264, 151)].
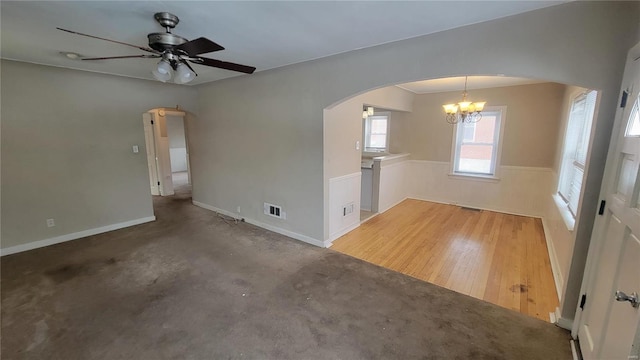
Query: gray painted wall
[(259, 137), (67, 135), (67, 140)]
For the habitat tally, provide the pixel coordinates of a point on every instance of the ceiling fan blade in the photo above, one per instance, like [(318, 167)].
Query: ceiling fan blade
[(199, 46), (113, 41), (224, 65), (123, 57)]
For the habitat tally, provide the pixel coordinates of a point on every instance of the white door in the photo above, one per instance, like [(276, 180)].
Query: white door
[(162, 152), (607, 327), (150, 146)]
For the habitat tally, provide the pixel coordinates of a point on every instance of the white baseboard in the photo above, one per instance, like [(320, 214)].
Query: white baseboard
[(553, 258), (73, 236), (562, 322), (291, 234), (346, 230), (396, 203)]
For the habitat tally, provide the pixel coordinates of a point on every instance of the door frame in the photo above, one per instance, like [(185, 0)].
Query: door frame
[(162, 165), (150, 149)]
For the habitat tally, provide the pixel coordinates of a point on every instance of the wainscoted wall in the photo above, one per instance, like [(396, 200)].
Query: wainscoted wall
[(519, 190), (344, 192), (393, 184), (560, 244), (342, 144), (560, 240)]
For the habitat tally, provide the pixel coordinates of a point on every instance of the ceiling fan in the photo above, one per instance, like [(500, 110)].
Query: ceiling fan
[(174, 52)]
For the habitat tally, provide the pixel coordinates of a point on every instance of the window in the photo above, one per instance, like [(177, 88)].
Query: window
[(477, 145), (576, 145), (633, 129), (377, 132)]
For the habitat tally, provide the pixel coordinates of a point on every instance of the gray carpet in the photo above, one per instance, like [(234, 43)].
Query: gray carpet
[(193, 285)]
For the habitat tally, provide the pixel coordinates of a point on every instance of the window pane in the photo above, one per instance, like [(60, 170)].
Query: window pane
[(626, 178), (379, 126), (475, 158), (585, 131), (378, 141), (633, 129), (485, 129), (468, 132), (575, 188), (576, 145)]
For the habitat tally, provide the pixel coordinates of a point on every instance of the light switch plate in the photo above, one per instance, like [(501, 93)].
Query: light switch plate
[(135, 149)]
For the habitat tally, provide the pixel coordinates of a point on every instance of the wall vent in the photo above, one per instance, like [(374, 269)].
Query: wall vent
[(348, 209), (274, 210)]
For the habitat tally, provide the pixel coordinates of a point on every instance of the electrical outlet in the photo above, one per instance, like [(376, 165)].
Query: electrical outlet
[(51, 223), (238, 209)]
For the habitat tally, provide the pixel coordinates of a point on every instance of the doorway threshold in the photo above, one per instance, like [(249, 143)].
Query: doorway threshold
[(366, 215)]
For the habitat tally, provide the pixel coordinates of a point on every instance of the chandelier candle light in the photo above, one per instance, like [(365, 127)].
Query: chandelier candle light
[(464, 111), (367, 111)]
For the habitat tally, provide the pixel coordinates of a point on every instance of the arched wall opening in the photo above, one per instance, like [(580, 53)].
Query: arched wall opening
[(420, 141)]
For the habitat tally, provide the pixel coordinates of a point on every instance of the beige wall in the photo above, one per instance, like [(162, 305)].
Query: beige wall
[(530, 128), (399, 133), (67, 140), (343, 127)]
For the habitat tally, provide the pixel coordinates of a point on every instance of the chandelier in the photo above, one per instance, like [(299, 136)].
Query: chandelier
[(464, 111)]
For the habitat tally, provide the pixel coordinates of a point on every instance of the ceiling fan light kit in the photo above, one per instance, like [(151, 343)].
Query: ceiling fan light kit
[(184, 74), (163, 71), (174, 52)]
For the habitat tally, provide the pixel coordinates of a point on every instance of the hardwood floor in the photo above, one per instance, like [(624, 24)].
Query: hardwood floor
[(499, 258)]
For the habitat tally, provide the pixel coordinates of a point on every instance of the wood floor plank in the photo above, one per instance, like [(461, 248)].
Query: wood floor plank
[(499, 258)]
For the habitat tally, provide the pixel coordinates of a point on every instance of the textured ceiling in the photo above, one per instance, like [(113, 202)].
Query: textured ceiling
[(263, 34)]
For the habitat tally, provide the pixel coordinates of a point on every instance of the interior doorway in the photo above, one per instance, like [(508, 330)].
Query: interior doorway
[(167, 151)]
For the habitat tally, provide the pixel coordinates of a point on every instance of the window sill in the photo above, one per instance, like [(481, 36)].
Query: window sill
[(566, 215), (474, 177)]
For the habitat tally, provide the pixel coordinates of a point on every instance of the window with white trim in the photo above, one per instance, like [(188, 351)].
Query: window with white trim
[(576, 146), (377, 132), (477, 145)]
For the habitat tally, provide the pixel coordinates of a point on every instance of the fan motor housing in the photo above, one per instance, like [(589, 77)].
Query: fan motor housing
[(165, 41)]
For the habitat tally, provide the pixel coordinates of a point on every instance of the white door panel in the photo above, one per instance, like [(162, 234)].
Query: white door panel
[(624, 318), (162, 154)]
